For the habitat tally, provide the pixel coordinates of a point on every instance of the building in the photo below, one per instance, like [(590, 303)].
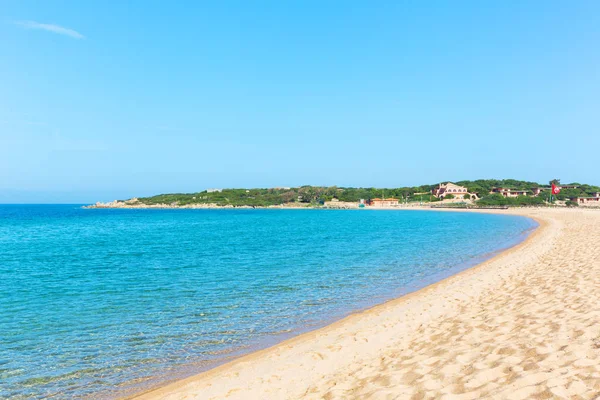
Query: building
[(507, 192), (445, 189), (537, 190), (214, 190), (391, 202), (588, 201)]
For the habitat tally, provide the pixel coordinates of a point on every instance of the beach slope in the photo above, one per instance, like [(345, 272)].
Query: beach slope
[(525, 324)]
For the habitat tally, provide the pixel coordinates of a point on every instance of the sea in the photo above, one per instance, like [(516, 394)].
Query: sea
[(104, 303)]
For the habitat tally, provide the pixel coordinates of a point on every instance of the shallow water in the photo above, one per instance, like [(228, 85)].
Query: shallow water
[(98, 303)]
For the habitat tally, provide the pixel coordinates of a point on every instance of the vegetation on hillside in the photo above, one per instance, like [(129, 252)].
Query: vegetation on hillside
[(317, 195), (497, 199), (306, 194)]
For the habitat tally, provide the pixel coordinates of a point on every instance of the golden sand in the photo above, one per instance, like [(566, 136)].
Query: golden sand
[(525, 324)]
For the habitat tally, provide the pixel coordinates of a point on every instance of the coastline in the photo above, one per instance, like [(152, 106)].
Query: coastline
[(185, 372), (419, 308)]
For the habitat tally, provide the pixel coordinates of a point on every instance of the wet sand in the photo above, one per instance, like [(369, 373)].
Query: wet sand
[(524, 324)]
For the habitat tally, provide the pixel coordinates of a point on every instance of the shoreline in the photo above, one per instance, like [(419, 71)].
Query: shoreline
[(267, 343), (177, 388)]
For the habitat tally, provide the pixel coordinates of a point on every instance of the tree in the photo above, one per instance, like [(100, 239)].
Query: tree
[(555, 182), (478, 190), (288, 197)]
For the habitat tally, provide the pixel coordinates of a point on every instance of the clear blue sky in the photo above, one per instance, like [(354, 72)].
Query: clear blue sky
[(105, 100)]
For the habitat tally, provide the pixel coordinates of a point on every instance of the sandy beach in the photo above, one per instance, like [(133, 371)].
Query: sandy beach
[(524, 324)]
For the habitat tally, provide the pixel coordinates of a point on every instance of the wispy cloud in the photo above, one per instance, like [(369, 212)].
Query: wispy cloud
[(50, 28)]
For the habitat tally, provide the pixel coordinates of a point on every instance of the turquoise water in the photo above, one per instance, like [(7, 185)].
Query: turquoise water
[(100, 303)]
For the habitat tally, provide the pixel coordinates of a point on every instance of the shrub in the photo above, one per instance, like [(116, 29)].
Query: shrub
[(495, 199)]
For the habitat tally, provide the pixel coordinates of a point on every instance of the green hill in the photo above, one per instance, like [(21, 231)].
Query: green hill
[(317, 194)]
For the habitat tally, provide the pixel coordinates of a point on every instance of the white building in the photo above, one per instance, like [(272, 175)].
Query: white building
[(507, 192), (444, 189)]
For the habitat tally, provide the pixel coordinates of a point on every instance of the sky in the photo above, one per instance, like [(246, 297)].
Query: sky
[(111, 100)]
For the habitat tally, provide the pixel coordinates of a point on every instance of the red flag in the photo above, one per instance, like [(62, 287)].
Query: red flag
[(555, 189)]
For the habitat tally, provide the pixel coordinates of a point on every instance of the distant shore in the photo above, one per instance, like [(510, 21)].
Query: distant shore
[(522, 324), (480, 192)]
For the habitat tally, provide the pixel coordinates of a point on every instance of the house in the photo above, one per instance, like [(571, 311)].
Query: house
[(537, 190), (214, 190), (507, 192), (445, 189), (588, 201), (390, 202)]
